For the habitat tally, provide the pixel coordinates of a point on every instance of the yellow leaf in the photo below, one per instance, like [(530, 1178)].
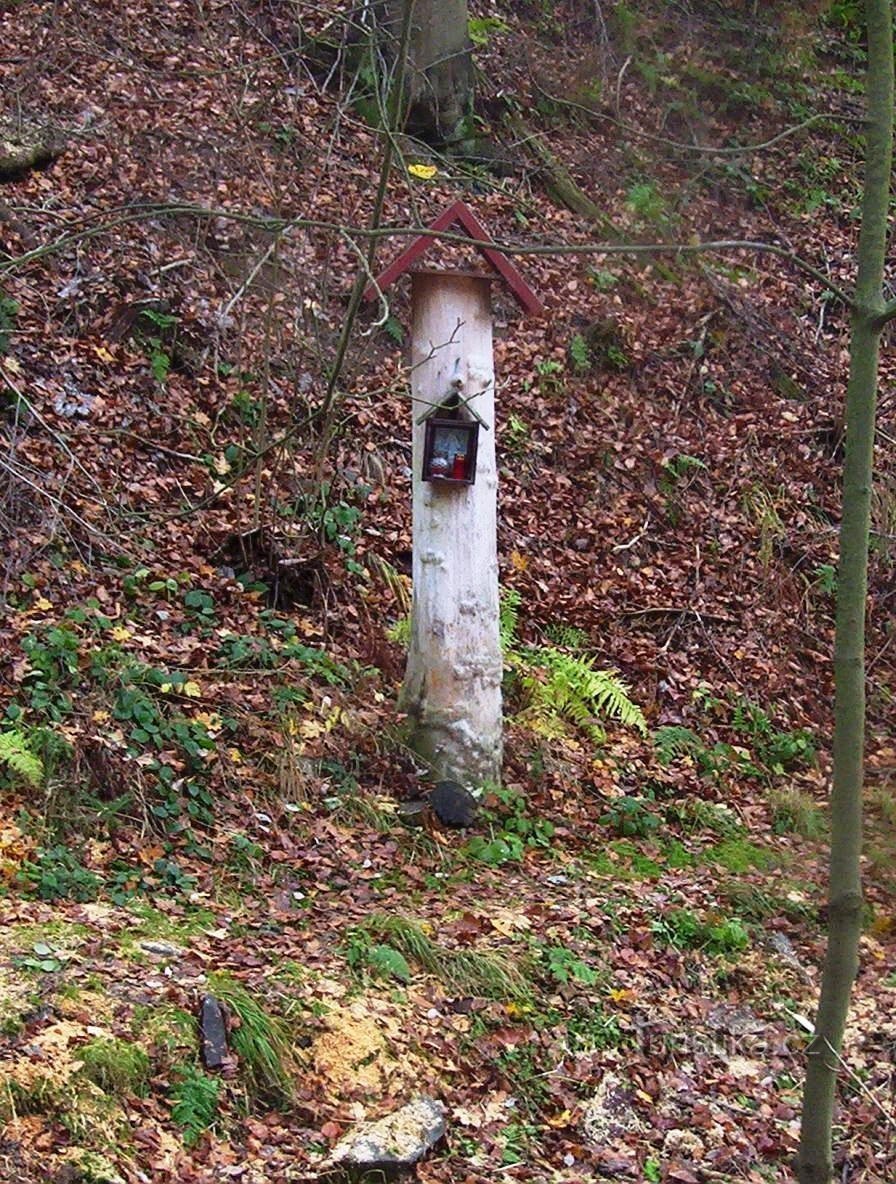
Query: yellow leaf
[(311, 729), (518, 561), (119, 633), (192, 690), (561, 1120), (622, 995), (42, 604), (235, 755), (210, 720), (516, 1010), (103, 354), (165, 688), (425, 172), (100, 717)]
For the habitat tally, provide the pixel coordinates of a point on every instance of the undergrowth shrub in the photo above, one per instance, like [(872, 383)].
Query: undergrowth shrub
[(557, 691), (512, 830)]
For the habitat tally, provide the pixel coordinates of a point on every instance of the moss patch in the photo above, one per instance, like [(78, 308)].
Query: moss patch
[(118, 1067)]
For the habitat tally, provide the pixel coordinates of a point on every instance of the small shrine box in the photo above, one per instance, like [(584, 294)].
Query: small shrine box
[(449, 449)]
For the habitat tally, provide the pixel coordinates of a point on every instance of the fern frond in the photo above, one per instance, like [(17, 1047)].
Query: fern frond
[(673, 741), (18, 756), (508, 617), (571, 689)]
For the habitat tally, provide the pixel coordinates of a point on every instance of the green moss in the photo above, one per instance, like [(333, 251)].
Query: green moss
[(78, 1105), (118, 1067), (152, 924), (739, 856), (171, 1030)]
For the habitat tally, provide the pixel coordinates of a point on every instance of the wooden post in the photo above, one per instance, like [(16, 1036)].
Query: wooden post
[(452, 687)]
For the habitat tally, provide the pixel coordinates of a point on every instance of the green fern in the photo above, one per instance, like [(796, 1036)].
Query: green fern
[(194, 1103), (16, 753), (508, 617), (562, 689), (673, 741)]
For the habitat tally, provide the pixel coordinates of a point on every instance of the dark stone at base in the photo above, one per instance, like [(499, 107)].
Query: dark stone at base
[(453, 805), (213, 1030), (412, 813)]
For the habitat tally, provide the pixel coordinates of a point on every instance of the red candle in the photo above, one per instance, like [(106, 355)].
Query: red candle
[(459, 471)]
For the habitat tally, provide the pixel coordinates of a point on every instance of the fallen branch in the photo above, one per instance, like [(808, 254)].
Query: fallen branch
[(674, 610)]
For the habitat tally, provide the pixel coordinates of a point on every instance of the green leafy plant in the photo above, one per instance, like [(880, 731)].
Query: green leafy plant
[(580, 353), (676, 469), (194, 1100), (674, 741), (53, 670), (513, 831), (561, 689), (482, 28), (564, 966), (647, 203), (44, 958), (156, 340), (9, 311), (550, 380), (684, 930), (630, 817), (58, 874), (384, 960), (394, 329), (569, 637), (602, 279)]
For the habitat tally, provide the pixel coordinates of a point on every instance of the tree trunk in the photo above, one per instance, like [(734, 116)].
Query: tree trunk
[(814, 1161), (439, 86), (452, 688)]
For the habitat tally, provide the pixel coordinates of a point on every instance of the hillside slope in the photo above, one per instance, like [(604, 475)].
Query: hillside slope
[(206, 586)]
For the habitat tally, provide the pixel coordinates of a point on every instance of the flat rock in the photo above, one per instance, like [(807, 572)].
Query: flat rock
[(453, 805), (394, 1143), (162, 949), (610, 1113)]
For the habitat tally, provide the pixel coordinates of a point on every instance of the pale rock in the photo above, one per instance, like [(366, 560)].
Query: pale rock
[(395, 1142), (683, 1143), (610, 1112)]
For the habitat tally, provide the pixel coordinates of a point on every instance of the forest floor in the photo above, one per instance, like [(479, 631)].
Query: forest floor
[(206, 584)]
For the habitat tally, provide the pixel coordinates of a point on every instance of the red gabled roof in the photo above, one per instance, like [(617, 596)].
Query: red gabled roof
[(461, 215)]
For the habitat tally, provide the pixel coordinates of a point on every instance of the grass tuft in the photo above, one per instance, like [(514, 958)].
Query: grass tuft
[(469, 972), (260, 1040)]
